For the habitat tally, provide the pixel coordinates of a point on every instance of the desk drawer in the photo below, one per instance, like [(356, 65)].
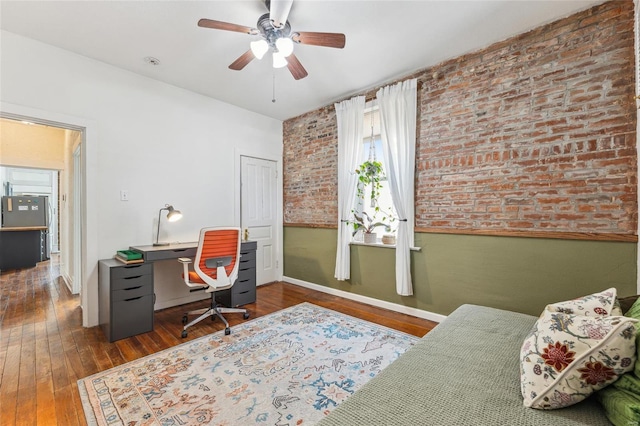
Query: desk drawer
[(131, 282), (244, 297), (246, 274), (247, 264), (127, 271), (171, 254), (132, 317), (243, 285), (132, 292), (247, 255), (231, 298)]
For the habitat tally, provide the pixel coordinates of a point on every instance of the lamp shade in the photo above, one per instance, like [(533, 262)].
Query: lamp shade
[(285, 46), (259, 48), (279, 60), (173, 214)]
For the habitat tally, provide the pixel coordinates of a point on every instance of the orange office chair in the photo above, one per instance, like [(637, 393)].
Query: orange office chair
[(215, 268)]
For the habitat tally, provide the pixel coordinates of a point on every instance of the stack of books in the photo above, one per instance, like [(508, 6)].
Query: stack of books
[(129, 256)]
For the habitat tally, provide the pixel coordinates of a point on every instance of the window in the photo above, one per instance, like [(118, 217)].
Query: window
[(381, 209)]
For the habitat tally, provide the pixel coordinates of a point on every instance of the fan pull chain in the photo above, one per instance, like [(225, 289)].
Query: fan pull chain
[(273, 99)]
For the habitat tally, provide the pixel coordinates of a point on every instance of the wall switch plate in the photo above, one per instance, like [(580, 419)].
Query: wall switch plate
[(124, 195)]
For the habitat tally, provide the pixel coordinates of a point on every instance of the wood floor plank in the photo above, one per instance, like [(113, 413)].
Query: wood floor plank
[(45, 403), (59, 374), (66, 413), (99, 348), (26, 401), (10, 378), (44, 349)]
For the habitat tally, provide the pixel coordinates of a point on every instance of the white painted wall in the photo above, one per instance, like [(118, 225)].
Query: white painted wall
[(161, 143)]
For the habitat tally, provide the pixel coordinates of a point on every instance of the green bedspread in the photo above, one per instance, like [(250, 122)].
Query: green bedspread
[(464, 372)]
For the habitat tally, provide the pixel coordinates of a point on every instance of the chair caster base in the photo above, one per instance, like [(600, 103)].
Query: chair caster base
[(184, 333), (227, 331), (185, 319), (245, 315)]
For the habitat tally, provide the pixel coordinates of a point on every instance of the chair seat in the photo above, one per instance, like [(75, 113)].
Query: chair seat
[(195, 278)]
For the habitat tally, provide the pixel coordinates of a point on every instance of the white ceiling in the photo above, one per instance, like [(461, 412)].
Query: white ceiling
[(385, 40)]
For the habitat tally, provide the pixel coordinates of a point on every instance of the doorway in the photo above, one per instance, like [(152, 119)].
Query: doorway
[(88, 252), (38, 160)]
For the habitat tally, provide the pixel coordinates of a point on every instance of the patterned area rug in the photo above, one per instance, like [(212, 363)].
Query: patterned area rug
[(291, 367)]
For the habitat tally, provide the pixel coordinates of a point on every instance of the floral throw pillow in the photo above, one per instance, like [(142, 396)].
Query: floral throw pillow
[(604, 303), (575, 349)]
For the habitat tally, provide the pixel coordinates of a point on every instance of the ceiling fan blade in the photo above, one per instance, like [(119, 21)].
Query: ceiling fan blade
[(295, 67), (219, 25), (242, 61), (279, 12), (336, 40)]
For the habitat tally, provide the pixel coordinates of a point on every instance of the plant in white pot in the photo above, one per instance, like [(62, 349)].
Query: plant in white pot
[(367, 226)]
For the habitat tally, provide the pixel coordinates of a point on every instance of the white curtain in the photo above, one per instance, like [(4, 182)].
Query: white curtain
[(398, 105), (350, 115)]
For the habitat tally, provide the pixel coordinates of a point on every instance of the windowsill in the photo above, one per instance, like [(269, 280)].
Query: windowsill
[(389, 246)]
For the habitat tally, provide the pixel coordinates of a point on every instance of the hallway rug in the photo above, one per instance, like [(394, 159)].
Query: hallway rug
[(291, 367)]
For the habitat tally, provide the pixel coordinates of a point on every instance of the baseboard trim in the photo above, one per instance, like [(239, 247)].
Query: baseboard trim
[(68, 282), (368, 300)]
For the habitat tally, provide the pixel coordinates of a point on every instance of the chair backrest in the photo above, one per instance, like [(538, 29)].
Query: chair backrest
[(218, 244)]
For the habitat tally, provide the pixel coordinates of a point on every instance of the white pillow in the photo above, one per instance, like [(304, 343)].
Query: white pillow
[(575, 349)]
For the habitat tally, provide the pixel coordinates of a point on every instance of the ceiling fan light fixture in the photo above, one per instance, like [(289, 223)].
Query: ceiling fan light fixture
[(259, 48), (285, 46), (279, 60), (274, 34)]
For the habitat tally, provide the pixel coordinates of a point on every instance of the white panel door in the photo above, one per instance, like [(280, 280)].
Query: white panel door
[(258, 213)]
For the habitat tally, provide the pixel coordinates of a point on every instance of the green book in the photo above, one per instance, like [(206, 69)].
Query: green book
[(129, 254)]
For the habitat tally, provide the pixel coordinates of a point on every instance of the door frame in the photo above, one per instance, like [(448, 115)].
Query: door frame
[(89, 205), (278, 237), (77, 220)]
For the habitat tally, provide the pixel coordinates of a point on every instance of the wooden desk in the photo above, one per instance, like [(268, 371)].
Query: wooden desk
[(129, 294), (170, 293)]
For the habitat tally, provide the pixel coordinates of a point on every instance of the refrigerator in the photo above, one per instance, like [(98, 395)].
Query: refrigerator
[(26, 211)]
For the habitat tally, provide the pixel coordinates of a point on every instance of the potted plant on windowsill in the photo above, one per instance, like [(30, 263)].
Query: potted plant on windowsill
[(368, 227)]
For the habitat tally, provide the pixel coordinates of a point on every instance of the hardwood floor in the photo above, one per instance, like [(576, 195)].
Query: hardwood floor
[(44, 349)]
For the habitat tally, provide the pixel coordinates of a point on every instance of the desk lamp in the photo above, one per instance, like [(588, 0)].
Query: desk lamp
[(172, 216)]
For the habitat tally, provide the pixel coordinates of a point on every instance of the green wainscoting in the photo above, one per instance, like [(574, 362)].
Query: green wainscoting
[(518, 274)]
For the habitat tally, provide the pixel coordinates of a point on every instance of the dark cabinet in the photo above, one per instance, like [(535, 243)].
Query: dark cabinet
[(243, 290), (126, 298), (22, 247)]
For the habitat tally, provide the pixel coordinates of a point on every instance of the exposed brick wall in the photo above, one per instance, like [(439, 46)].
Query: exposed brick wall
[(310, 174), (535, 133)]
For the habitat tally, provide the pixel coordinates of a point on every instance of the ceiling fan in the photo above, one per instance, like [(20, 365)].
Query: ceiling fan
[(275, 34)]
